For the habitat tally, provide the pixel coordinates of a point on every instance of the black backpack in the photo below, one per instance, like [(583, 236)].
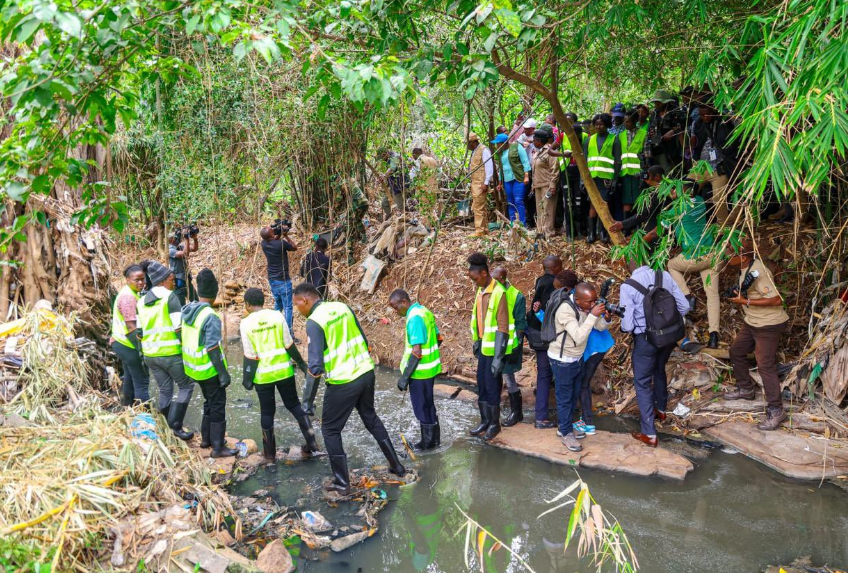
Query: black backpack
[(549, 332), (664, 324)]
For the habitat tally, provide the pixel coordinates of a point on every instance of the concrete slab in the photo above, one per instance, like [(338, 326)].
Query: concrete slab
[(793, 454), (605, 451)]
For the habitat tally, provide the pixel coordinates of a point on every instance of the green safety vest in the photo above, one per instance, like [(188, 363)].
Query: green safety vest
[(514, 160), (196, 361), (511, 296), (266, 331), (566, 146), (430, 364), (490, 326), (630, 164), (119, 326), (159, 337), (601, 164), (346, 357)]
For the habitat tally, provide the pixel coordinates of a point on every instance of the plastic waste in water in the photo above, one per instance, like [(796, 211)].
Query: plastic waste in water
[(144, 426)]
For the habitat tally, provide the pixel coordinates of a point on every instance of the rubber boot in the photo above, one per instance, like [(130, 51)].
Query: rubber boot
[(391, 456), (311, 446), (428, 437), (693, 302), (713, 342), (602, 232), (127, 394), (437, 434), (175, 420), (494, 417), (516, 415), (166, 411), (593, 229), (341, 476), (204, 432), (269, 445), (219, 445), (484, 421)]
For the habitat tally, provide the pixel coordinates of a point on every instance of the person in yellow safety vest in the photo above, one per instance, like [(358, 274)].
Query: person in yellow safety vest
[(575, 201), (124, 339), (491, 329), (338, 351), (204, 362), (270, 357), (603, 154), (632, 144), (517, 307), (159, 323), (420, 365)]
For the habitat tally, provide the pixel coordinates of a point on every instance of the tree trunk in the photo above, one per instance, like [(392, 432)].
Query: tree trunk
[(576, 145)]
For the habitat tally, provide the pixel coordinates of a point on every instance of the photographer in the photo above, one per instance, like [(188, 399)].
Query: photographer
[(647, 217), (649, 360), (178, 257), (665, 126), (276, 244), (712, 134), (765, 322)]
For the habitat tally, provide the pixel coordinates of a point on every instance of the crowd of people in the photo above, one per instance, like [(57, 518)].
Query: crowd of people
[(165, 326)]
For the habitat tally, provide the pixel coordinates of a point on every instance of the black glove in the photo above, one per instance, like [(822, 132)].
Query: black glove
[(403, 381), (134, 339), (476, 348), (217, 358), (310, 389), (297, 358), (501, 340), (249, 367)]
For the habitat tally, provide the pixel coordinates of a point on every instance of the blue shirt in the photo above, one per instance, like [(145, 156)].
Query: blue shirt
[(416, 330), (631, 299), (507, 168)]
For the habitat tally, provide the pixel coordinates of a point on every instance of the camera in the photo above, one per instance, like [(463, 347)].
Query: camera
[(281, 226), (612, 308), (749, 279), (183, 231)]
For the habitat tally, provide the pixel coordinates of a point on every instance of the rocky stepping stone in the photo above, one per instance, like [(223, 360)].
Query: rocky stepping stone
[(616, 452), (809, 457)]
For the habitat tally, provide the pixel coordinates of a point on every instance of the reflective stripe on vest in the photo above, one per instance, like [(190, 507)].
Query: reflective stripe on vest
[(601, 163), (266, 331), (196, 361), (159, 337), (430, 364), (511, 297), (630, 164), (346, 356), (566, 146), (119, 325), (490, 325)]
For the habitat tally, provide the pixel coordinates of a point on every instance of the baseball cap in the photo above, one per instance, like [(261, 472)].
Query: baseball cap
[(530, 123), (500, 138), (618, 110)]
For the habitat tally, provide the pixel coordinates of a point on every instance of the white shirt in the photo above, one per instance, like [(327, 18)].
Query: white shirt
[(487, 164)]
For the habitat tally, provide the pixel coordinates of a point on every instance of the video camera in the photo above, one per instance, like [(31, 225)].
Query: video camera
[(734, 291), (281, 226), (612, 308), (185, 231)]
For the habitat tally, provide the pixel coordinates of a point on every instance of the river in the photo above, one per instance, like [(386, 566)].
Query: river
[(731, 514)]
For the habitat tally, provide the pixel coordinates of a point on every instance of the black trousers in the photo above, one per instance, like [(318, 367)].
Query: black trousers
[(650, 380), (423, 404), (268, 400), (489, 386), (214, 399), (135, 381), (340, 401)]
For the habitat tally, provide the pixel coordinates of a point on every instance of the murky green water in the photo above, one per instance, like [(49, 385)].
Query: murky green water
[(730, 515)]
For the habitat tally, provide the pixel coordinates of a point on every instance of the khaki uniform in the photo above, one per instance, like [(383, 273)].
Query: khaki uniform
[(679, 265), (478, 194), (427, 174), (720, 192), (764, 325), (545, 174)]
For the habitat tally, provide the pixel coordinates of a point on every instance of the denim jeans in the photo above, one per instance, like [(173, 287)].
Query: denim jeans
[(514, 191), (282, 291), (568, 376)]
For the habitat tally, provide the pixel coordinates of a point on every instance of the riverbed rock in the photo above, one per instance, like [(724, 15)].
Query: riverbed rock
[(275, 558), (794, 454), (605, 450)]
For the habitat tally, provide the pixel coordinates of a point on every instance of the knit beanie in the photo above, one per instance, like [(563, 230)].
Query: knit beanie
[(157, 272), (207, 284)]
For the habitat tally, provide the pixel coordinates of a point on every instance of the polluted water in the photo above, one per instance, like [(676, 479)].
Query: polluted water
[(730, 514)]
